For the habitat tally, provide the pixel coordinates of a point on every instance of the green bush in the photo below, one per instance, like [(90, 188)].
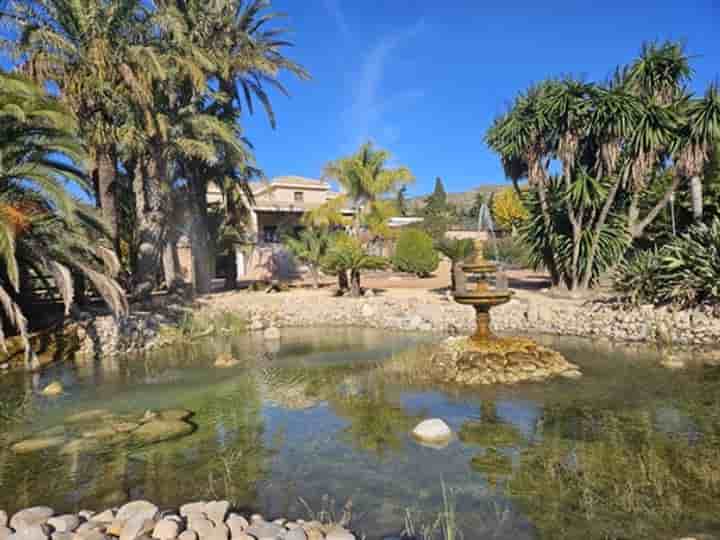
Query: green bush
[(510, 251), (415, 253), (685, 272)]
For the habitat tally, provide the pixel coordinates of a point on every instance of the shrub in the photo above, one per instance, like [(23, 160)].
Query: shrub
[(415, 253), (685, 272), (510, 251)]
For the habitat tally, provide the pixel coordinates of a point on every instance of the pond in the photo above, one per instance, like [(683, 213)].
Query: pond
[(631, 450)]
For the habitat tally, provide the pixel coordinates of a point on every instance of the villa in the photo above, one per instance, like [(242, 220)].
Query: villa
[(277, 208)]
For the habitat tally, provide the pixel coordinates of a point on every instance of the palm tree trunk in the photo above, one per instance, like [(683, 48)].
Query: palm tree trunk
[(200, 241), (231, 273), (548, 255), (355, 289), (696, 194), (343, 284), (170, 263), (105, 176), (315, 276), (149, 185)]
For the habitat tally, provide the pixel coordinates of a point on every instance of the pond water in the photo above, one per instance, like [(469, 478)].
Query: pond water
[(631, 450)]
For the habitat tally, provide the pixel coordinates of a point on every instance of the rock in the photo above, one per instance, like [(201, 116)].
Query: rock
[(161, 430), (188, 535), (36, 445), (271, 333), (295, 534), (36, 515), (64, 523), (237, 525), (175, 414), (87, 416), (262, 530), (226, 360), (217, 510), (31, 532), (5, 532), (192, 508), (93, 526), (53, 389), (433, 430), (338, 533), (314, 534), (670, 361), (62, 536), (85, 514), (125, 427), (571, 374), (141, 509), (137, 526), (202, 526), (90, 534), (166, 529), (3, 518), (99, 433), (367, 311)]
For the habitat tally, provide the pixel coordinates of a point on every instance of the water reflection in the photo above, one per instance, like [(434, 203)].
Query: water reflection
[(623, 453)]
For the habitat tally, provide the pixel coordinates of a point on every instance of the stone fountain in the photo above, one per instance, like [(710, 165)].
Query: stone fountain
[(484, 358), (482, 298)]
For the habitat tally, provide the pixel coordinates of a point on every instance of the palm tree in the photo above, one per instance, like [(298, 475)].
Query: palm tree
[(365, 177), (82, 47), (226, 52), (458, 250), (344, 255), (43, 230), (310, 248)]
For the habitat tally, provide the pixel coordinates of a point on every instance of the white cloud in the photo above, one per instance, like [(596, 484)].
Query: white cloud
[(368, 116)]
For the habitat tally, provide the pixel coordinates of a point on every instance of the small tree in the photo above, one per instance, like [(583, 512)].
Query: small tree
[(458, 250), (309, 247), (415, 253), (508, 210), (346, 254)]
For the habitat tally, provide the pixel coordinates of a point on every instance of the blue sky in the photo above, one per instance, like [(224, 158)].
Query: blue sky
[(425, 79)]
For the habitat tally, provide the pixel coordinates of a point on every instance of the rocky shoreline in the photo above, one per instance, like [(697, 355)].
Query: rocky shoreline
[(142, 520), (534, 314)]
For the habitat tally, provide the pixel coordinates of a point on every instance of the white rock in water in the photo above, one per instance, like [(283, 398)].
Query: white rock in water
[(433, 430), (53, 389), (271, 333), (188, 535), (3, 518)]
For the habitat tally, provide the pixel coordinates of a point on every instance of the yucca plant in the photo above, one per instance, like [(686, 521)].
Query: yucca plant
[(685, 272), (637, 276), (44, 230), (309, 247)]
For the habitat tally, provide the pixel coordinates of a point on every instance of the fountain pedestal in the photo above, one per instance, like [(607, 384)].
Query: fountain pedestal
[(482, 298), (485, 358)]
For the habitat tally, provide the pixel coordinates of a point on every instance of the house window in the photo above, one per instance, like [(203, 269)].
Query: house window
[(269, 234), (298, 196)]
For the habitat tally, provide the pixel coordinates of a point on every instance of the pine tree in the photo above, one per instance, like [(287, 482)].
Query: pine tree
[(437, 202)]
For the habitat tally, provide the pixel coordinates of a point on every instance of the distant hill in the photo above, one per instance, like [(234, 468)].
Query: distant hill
[(462, 200)]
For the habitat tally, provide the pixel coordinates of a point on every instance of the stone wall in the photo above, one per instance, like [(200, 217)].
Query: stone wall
[(142, 331)]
